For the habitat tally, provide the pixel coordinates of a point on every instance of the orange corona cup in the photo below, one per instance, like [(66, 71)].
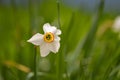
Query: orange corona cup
[(48, 37)]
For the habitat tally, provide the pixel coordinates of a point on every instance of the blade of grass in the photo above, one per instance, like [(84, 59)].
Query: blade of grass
[(89, 40), (85, 43), (35, 63)]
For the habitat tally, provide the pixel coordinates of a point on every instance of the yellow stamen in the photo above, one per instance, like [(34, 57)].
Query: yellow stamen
[(48, 37)]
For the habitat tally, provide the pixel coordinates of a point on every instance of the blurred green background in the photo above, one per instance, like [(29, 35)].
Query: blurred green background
[(90, 49)]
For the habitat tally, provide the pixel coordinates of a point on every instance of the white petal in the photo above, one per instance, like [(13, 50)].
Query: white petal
[(58, 32), (44, 51), (54, 46), (48, 28), (36, 39), (57, 38), (116, 25)]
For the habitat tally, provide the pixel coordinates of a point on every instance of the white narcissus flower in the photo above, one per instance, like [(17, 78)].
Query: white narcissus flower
[(116, 25), (49, 41)]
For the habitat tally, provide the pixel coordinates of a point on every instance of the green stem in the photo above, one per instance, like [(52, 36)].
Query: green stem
[(35, 64), (33, 8), (58, 11), (59, 56)]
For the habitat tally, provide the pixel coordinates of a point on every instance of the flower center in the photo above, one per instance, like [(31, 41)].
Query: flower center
[(48, 37)]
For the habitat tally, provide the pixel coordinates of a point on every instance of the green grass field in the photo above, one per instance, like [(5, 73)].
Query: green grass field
[(89, 47)]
